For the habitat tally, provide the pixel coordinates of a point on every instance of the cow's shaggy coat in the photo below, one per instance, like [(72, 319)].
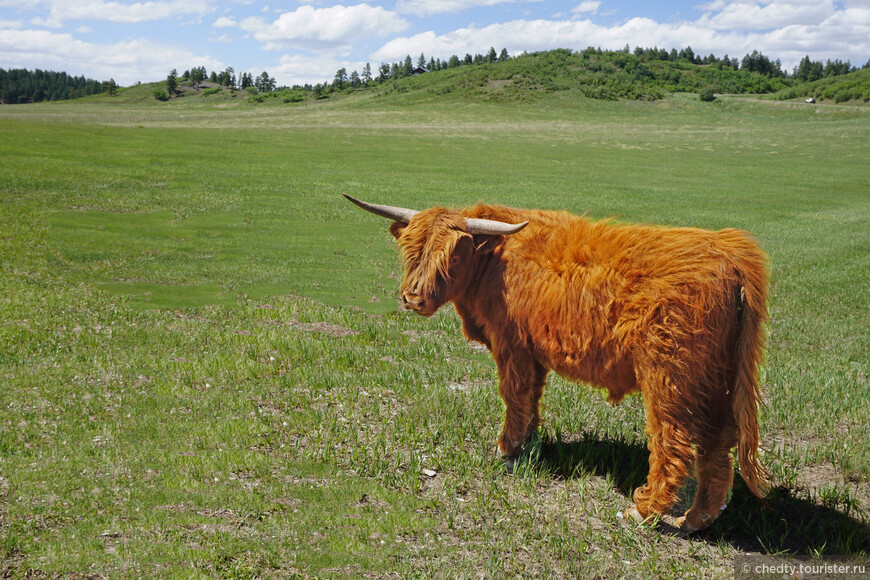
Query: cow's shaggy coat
[(675, 313)]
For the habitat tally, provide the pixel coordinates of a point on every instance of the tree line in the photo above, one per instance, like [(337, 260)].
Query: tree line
[(401, 69), (19, 86), (754, 62), (265, 83), (23, 86), (751, 62), (806, 71)]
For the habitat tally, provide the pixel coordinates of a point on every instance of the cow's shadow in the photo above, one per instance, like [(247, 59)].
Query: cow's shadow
[(791, 522)]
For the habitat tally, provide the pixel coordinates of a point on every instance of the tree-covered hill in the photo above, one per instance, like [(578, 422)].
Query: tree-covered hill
[(641, 74), (647, 75), (25, 86), (854, 86)]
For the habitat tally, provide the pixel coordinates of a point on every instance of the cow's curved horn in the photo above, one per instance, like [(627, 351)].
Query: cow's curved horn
[(399, 214), (492, 227)]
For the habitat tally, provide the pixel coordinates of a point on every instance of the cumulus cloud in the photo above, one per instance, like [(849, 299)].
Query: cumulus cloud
[(587, 6), (430, 7), (840, 34), (753, 15), (334, 28), (109, 11), (301, 69), (126, 62), (516, 36), (224, 22)]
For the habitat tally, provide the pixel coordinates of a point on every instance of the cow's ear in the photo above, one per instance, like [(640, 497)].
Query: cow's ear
[(486, 243), (396, 228)]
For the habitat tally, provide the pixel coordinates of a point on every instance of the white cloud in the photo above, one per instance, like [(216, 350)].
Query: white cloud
[(587, 6), (846, 32), (334, 28), (11, 23), (126, 62), (150, 11), (60, 11), (766, 15), (430, 7), (301, 69), (46, 22), (516, 36), (224, 22)]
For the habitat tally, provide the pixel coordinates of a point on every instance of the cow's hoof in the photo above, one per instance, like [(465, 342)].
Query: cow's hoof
[(510, 463), (631, 512), (685, 524)]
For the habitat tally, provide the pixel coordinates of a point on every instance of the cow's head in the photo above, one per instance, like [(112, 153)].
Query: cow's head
[(438, 246)]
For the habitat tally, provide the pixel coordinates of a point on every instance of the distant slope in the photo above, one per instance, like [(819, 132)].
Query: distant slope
[(19, 86), (854, 86), (592, 73)]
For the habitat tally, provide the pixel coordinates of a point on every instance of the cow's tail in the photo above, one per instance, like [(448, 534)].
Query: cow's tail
[(752, 316)]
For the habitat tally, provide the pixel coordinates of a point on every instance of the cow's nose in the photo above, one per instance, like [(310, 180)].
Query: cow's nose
[(413, 302)]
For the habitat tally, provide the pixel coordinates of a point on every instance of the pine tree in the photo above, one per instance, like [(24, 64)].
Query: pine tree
[(383, 72), (340, 78), (172, 82)]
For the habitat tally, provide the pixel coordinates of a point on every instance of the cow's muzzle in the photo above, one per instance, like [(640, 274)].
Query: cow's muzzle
[(417, 304)]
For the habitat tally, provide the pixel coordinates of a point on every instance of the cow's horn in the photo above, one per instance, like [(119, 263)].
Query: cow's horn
[(399, 214), (492, 227)]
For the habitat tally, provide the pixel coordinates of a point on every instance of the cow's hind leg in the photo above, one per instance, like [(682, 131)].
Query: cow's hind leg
[(715, 475), (670, 459)]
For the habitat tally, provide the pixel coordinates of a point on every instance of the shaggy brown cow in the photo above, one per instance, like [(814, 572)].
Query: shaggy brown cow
[(675, 313)]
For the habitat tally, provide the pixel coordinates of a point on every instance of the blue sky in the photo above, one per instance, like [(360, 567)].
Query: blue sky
[(309, 40)]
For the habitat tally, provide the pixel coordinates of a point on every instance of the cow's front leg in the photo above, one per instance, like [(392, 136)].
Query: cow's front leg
[(521, 384)]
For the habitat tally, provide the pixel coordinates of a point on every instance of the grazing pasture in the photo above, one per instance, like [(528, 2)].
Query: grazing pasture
[(203, 369)]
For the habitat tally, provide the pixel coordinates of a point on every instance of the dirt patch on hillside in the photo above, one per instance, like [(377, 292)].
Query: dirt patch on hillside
[(324, 328), (494, 85)]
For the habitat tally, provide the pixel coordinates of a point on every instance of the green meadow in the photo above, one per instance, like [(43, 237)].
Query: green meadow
[(204, 371)]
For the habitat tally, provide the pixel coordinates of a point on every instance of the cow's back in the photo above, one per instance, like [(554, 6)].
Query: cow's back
[(591, 297)]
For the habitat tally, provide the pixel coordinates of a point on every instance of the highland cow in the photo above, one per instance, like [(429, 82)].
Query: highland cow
[(674, 313)]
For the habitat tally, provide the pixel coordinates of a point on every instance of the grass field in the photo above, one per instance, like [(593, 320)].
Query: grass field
[(203, 371)]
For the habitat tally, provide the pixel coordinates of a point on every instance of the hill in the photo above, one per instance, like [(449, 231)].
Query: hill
[(645, 74), (854, 86), (591, 73), (23, 86)]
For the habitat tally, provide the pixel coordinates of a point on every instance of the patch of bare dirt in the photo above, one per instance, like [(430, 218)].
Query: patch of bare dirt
[(496, 85), (414, 336), (826, 476), (324, 327)]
